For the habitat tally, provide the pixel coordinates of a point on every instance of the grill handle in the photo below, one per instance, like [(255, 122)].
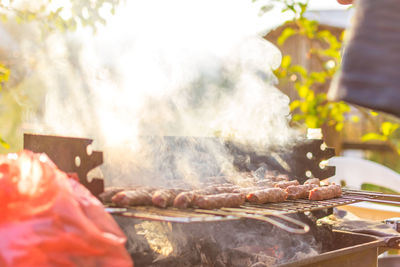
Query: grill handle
[(375, 200), (383, 196), (303, 228)]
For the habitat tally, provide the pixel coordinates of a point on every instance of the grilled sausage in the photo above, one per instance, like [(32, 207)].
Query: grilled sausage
[(299, 191), (132, 198), (267, 195), (315, 181), (220, 200), (285, 184), (246, 190), (325, 192), (165, 197), (184, 200), (226, 189), (109, 192)]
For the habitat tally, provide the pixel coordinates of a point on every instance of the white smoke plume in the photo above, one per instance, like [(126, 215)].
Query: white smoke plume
[(167, 68)]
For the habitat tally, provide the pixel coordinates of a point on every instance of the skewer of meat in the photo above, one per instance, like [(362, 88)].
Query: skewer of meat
[(227, 189), (285, 184), (211, 190), (138, 197), (315, 181), (110, 192), (247, 190), (299, 191), (267, 195), (165, 197), (231, 200), (184, 200), (325, 192), (216, 189), (266, 183)]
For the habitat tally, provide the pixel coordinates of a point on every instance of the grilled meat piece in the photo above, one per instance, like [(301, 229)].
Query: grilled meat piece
[(210, 190), (325, 192), (109, 192), (216, 189), (338, 190), (226, 189), (267, 195), (136, 197), (285, 184), (220, 200), (246, 182), (315, 181), (265, 183), (184, 200), (299, 191), (165, 197), (246, 190), (325, 183)]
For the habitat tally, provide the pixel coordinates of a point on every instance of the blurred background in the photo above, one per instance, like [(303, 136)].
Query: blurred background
[(58, 57)]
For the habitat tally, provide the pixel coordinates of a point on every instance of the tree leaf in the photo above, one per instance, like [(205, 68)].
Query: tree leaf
[(312, 121), (374, 113), (286, 60), (339, 126), (265, 8), (318, 76), (295, 104), (4, 143), (373, 136), (3, 18), (304, 107), (299, 69), (303, 91), (286, 33), (298, 117), (355, 118), (388, 128)]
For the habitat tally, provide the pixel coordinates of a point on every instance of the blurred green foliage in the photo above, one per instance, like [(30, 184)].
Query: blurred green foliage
[(22, 20), (53, 17), (312, 107), (389, 132)]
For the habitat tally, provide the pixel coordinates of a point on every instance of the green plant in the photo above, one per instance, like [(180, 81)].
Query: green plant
[(388, 132), (312, 107), (53, 17), (45, 17)]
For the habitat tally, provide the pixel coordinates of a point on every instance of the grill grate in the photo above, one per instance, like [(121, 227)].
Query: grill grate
[(198, 215)]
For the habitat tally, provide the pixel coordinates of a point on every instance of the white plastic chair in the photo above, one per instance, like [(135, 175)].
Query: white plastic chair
[(357, 171)]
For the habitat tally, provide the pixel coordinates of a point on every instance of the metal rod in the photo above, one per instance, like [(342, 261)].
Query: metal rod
[(250, 210), (371, 193), (153, 217), (304, 227), (375, 200)]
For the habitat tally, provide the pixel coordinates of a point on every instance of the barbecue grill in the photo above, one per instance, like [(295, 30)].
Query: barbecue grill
[(291, 216)]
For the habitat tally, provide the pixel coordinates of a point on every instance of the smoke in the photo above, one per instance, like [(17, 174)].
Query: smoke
[(167, 68)]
